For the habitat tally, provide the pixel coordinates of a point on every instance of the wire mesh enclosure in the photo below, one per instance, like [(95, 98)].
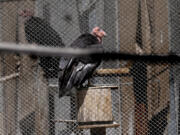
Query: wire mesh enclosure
[(120, 97)]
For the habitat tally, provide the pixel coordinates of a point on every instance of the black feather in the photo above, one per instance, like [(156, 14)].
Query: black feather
[(75, 71), (40, 32), (158, 122)]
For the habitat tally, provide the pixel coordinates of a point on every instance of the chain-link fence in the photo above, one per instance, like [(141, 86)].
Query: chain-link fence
[(123, 97)]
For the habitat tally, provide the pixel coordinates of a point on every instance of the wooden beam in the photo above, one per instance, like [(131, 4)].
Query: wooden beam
[(112, 71), (68, 121), (113, 125), (104, 87), (140, 93), (9, 77)]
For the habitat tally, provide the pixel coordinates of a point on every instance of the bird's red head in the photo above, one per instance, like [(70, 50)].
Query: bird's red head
[(99, 33), (26, 13)]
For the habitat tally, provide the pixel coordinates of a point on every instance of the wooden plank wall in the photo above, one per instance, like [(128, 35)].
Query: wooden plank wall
[(127, 103), (9, 87), (154, 16), (127, 24), (160, 41), (34, 90), (28, 109)]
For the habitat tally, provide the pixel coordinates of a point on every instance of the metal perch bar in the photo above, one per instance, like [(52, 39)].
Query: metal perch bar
[(6, 78), (68, 121)]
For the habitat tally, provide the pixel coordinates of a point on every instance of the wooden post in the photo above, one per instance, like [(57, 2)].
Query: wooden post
[(8, 34), (94, 105), (95, 109), (98, 111), (143, 39)]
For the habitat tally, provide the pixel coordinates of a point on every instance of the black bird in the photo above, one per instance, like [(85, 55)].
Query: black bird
[(158, 122), (40, 32), (75, 71)]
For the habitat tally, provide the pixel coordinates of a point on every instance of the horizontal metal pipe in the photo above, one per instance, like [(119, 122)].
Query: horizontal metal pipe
[(44, 51), (71, 52)]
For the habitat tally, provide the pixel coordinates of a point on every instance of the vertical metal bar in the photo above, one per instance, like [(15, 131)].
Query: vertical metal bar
[(174, 25), (17, 70), (51, 102), (16, 100), (4, 95), (72, 112), (118, 65), (172, 125), (1, 21), (1, 74), (37, 128)]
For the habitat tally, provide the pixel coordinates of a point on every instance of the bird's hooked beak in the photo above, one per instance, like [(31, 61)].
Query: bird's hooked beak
[(99, 33), (103, 32)]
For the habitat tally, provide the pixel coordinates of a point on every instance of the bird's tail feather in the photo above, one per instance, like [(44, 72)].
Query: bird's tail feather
[(67, 92)]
